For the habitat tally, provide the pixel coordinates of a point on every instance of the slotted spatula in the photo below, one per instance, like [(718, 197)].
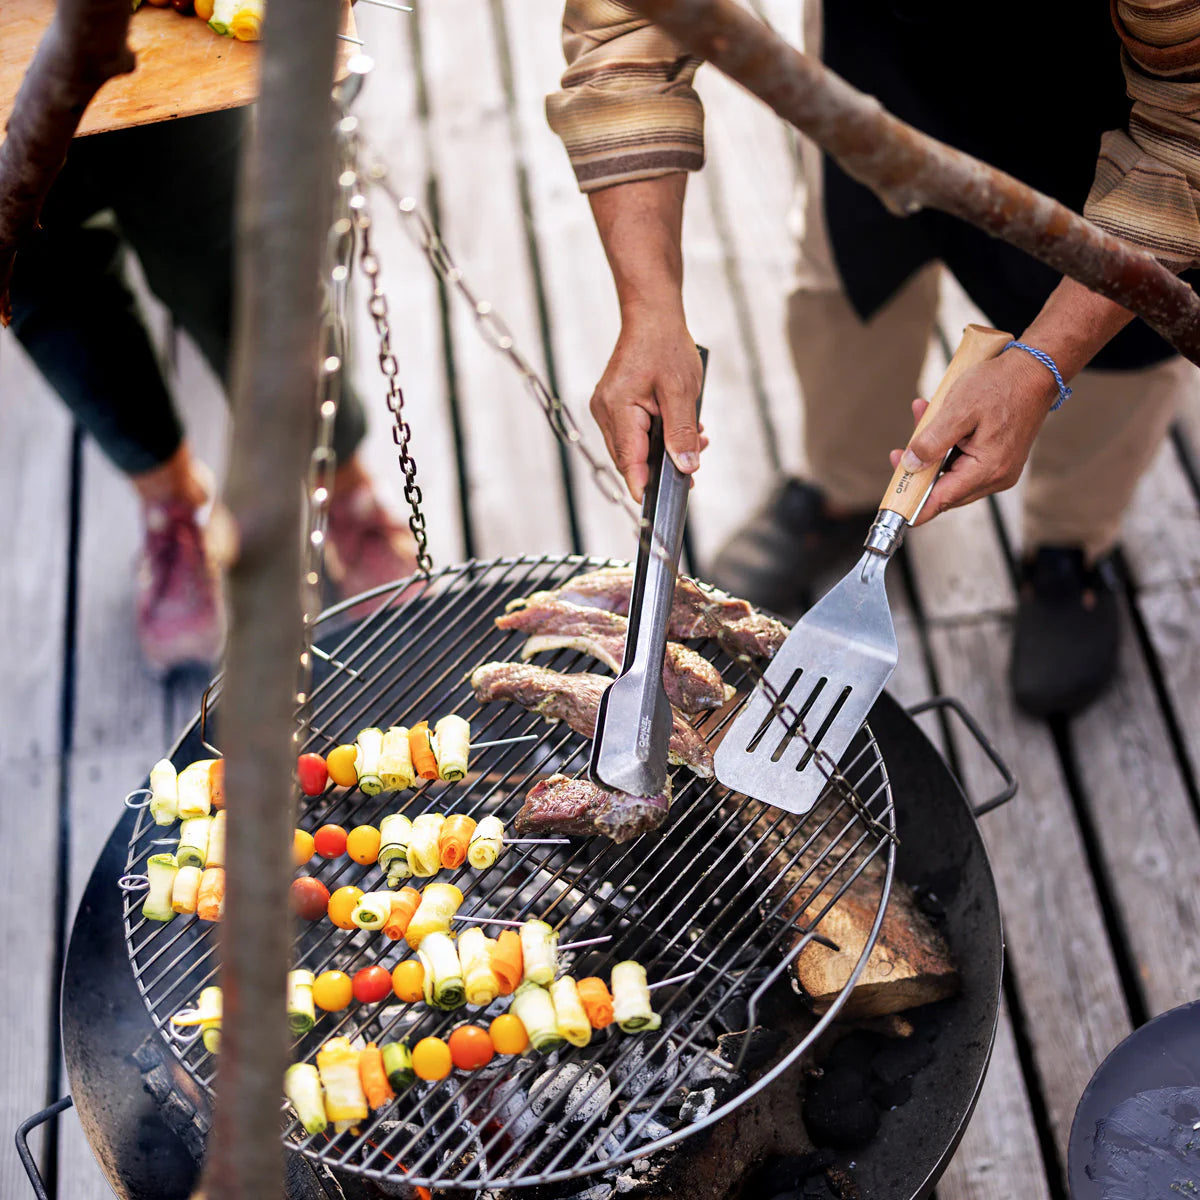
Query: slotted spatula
[(633, 723), (840, 655)]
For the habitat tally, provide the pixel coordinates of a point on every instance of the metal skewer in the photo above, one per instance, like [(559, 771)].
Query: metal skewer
[(673, 979), (525, 737), (596, 941), (387, 4)]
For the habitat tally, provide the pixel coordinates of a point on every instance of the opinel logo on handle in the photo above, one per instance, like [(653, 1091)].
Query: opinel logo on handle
[(908, 489)]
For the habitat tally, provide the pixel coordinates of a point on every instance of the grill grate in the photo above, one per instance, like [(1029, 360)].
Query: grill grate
[(715, 893)]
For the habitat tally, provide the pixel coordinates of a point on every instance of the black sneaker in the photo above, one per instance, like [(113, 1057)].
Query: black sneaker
[(775, 558), (1065, 643)]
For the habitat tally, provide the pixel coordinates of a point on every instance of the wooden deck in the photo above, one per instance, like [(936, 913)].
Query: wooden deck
[(1095, 860)]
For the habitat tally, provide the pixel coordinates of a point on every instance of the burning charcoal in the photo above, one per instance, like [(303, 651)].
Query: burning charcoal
[(734, 1015), (635, 1071), (760, 1045), (838, 1110), (698, 1105), (570, 1091)]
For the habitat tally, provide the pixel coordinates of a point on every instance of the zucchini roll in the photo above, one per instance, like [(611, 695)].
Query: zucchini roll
[(210, 900), (474, 953), (397, 1062), (192, 850), (395, 760), (246, 23), (532, 1004), (207, 1014), (486, 843), (164, 792), (539, 953), (302, 1015), (185, 891), (439, 902), (570, 1017), (424, 856), (216, 841), (160, 871), (302, 1087), (372, 910), (368, 748), (395, 831), (337, 1062), (632, 1010), (195, 789), (452, 747), (444, 987)]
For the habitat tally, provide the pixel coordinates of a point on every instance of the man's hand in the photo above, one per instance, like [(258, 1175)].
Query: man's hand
[(992, 414), (654, 369)]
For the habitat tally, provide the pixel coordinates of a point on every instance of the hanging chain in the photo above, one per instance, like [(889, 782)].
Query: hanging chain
[(497, 334)]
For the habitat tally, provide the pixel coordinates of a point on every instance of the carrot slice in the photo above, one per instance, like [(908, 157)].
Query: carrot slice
[(210, 899), (507, 960), (373, 1077), (216, 783), (404, 903), (597, 1001), (454, 840), (424, 759)]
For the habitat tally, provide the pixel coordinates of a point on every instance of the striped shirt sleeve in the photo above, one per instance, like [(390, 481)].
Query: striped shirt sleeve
[(626, 109), (1147, 184)]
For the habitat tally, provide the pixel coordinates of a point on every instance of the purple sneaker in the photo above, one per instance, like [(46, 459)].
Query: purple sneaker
[(180, 608)]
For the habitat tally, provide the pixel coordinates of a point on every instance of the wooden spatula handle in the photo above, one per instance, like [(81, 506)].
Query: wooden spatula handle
[(908, 489)]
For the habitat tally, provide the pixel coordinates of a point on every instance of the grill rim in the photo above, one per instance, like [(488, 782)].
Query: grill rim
[(470, 574)]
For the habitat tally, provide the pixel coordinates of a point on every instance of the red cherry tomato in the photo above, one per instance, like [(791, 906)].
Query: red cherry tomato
[(309, 898), (470, 1047), (312, 773), (330, 841), (372, 984)]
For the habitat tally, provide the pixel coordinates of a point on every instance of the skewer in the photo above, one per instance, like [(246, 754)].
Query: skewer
[(525, 737), (537, 841), (386, 4), (486, 920), (673, 979), (341, 666), (345, 37), (596, 941)]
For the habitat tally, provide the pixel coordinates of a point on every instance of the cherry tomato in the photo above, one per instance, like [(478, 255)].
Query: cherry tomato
[(302, 847), (408, 980), (330, 841), (431, 1059), (340, 765), (508, 1034), (332, 990), (312, 773), (362, 844), (309, 898), (341, 905), (470, 1047), (372, 984)]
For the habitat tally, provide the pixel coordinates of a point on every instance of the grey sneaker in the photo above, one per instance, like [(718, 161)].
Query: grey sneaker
[(776, 557)]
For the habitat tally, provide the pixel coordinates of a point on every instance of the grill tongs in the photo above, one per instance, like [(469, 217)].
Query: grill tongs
[(633, 724)]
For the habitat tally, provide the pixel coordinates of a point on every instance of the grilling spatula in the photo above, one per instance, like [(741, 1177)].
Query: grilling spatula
[(633, 723), (840, 655)]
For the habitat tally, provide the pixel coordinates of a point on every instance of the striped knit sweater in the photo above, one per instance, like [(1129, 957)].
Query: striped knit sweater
[(627, 110)]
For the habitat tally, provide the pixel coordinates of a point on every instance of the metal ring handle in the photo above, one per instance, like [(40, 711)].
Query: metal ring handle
[(25, 1128), (956, 707), (143, 803), (133, 883)]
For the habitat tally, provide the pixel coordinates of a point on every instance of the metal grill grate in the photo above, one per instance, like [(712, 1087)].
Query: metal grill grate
[(719, 892)]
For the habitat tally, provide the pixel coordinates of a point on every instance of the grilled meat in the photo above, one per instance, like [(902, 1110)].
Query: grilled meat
[(693, 684), (563, 805), (741, 629), (575, 698)]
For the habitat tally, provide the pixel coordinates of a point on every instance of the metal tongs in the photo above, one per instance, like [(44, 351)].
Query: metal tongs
[(633, 724)]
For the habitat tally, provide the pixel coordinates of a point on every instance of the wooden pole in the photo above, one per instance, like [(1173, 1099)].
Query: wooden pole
[(284, 213), (909, 171)]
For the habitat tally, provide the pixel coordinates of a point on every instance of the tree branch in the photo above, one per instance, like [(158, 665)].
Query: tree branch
[(909, 171), (284, 212), (84, 46)]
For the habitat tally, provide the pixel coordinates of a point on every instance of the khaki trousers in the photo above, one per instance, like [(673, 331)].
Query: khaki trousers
[(858, 380)]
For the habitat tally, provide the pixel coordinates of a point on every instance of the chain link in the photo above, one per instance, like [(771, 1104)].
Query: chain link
[(497, 334)]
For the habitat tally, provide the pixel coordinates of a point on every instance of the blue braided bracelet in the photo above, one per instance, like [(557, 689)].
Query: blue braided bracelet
[(1064, 392)]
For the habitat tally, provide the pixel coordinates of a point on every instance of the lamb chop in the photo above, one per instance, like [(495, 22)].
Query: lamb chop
[(694, 613), (564, 805), (693, 684), (575, 698)]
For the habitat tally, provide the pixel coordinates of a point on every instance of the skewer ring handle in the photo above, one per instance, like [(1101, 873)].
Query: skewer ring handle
[(133, 883), (131, 800)]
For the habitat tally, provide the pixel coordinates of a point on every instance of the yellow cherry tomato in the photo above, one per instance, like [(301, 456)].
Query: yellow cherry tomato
[(362, 844), (302, 847), (340, 764), (332, 990), (431, 1059), (341, 904), (508, 1034), (408, 980)]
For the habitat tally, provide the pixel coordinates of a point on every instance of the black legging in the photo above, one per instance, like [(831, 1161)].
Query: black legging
[(171, 188)]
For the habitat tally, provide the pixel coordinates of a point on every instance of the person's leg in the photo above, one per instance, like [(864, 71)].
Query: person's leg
[(1081, 476)]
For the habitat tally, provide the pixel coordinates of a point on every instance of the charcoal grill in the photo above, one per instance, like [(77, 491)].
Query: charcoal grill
[(713, 898)]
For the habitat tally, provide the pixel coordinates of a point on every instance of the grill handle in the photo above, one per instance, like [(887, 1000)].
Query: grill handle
[(24, 1130), (955, 706)]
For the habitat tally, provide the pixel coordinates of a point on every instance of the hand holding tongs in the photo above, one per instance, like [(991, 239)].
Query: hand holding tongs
[(633, 725)]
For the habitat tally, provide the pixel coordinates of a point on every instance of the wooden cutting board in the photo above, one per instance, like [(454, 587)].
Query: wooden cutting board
[(183, 68)]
